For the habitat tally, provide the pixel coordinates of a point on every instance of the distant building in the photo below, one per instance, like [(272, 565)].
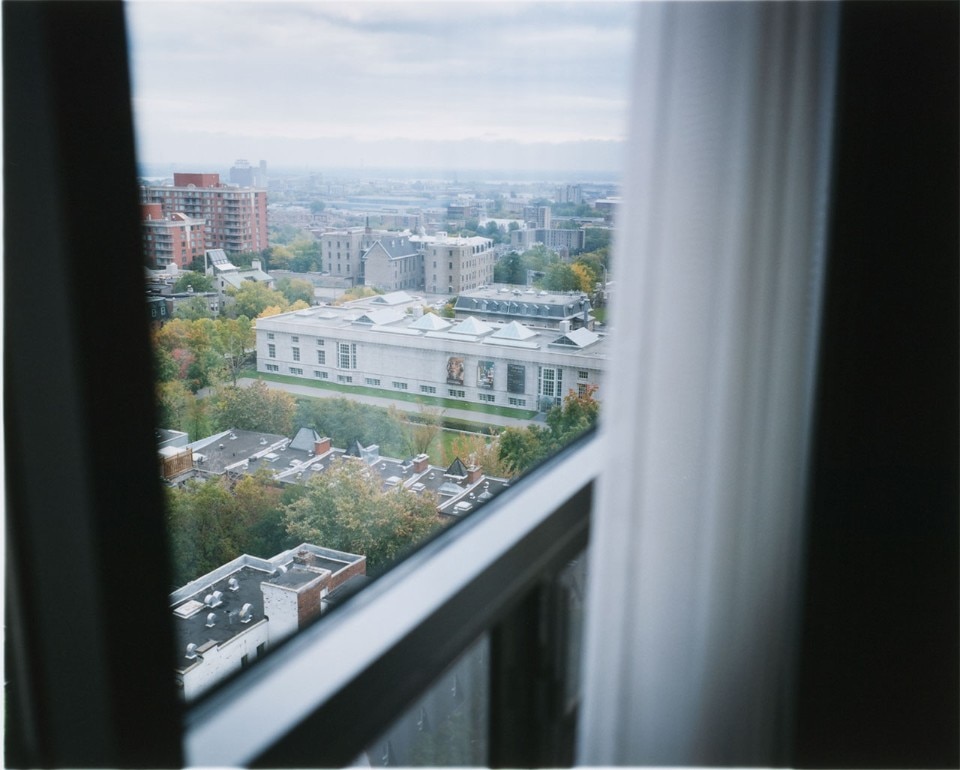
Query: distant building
[(571, 193), (538, 216), (170, 239), (227, 276), (341, 251), (557, 240), (392, 263), (452, 265), (242, 174), (235, 218), (228, 618)]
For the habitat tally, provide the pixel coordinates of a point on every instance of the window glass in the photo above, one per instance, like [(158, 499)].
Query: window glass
[(447, 727), (446, 387)]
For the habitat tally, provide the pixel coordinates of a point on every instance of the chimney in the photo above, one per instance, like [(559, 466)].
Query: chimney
[(421, 463), (321, 446), (255, 264), (474, 474)]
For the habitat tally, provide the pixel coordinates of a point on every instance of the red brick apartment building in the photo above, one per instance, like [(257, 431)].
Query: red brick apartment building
[(171, 239), (235, 217)]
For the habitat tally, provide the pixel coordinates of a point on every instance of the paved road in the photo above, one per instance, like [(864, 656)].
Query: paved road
[(404, 406)]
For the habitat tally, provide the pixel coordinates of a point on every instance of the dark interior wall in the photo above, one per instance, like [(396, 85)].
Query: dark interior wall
[(89, 652), (879, 680)]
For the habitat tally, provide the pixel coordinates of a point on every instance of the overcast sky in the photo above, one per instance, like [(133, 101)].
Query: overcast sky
[(492, 85)]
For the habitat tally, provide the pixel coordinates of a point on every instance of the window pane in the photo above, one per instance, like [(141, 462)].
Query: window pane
[(471, 219), (448, 726)]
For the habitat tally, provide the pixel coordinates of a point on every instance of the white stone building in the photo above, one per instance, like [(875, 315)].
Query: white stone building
[(388, 343)]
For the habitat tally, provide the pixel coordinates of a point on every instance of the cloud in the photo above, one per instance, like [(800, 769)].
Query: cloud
[(522, 73)]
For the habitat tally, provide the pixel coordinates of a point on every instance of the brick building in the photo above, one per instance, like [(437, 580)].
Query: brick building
[(171, 239), (235, 218)]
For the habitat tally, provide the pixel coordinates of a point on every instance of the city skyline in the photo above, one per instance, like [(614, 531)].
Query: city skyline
[(528, 86)]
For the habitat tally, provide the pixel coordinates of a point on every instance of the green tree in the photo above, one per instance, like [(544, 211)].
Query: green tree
[(560, 277), (253, 297), (193, 308), (345, 508), (306, 254), (259, 508), (346, 421), (296, 289), (509, 269), (596, 238), (521, 448), (254, 408), (280, 257), (423, 429), (198, 282), (235, 339), (205, 531), (173, 403)]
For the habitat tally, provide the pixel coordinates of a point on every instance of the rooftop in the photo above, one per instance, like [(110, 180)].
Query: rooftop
[(224, 603)]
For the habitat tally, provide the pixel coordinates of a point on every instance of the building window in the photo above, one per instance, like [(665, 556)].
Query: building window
[(271, 351), (428, 389), (456, 393), (320, 375), (514, 401), (347, 358), (399, 385), (322, 357), (296, 354), (550, 383), (344, 378), (270, 335), (294, 338), (296, 370), (372, 381), (319, 342), (582, 389), (272, 367), (583, 374), (488, 397)]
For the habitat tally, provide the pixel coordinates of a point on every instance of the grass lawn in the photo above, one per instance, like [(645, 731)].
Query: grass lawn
[(394, 395)]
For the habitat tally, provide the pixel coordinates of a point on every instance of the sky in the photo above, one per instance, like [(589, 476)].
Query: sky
[(441, 85)]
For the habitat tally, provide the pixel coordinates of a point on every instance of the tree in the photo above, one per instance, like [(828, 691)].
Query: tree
[(521, 448), (191, 281), (193, 308), (480, 450), (204, 529), (346, 421), (296, 289), (560, 277), (280, 257), (509, 269), (235, 339), (254, 408), (586, 277), (173, 402), (253, 296), (345, 508), (423, 429)]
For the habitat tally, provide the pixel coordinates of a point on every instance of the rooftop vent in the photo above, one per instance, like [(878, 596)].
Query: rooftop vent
[(191, 653), (246, 613), (263, 441), (211, 620), (233, 436), (233, 584)]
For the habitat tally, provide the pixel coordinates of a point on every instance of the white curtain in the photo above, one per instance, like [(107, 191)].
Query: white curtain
[(698, 530)]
